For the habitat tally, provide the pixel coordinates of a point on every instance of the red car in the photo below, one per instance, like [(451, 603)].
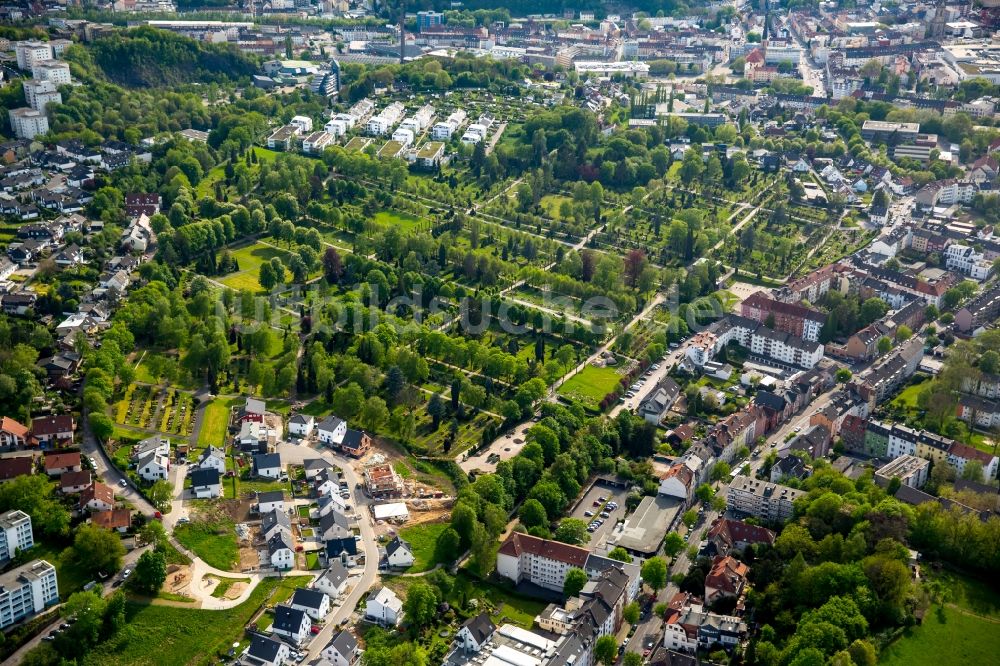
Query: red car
[(314, 629), (157, 515)]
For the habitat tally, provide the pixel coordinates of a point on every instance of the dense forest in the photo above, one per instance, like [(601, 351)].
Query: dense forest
[(145, 57)]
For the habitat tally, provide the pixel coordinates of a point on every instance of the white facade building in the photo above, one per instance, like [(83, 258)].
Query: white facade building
[(27, 123), (55, 71), (29, 52), (15, 533), (27, 590)]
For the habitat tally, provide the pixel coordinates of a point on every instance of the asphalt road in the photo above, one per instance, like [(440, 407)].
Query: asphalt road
[(295, 454)]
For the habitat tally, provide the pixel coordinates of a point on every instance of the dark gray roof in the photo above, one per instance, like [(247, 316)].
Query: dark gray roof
[(395, 545), (335, 573), (334, 547), (352, 438), (345, 644), (266, 460), (274, 518), (264, 648), (278, 541), (308, 598), (316, 463), (288, 619), (271, 496), (205, 476), (481, 627)]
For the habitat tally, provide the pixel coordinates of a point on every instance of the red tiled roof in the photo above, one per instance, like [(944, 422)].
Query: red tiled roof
[(967, 452), (113, 519), (14, 467), (727, 575), (736, 531), (518, 543), (51, 425), (61, 460), (13, 427), (74, 479), (682, 472), (98, 491)]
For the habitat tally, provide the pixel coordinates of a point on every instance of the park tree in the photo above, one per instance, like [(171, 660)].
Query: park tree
[(654, 573), (160, 493), (446, 548), (436, 408), (575, 580)]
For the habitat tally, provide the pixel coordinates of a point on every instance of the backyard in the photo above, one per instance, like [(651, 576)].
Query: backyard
[(214, 423), (422, 539), (964, 629), (590, 385)]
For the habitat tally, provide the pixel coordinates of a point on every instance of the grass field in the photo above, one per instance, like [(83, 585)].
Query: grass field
[(391, 218), (168, 636), (550, 203), (590, 385), (908, 396), (965, 630), (212, 540), (423, 539), (214, 423), (224, 585), (250, 259)]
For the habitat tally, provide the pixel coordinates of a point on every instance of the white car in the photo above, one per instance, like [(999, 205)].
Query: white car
[(123, 483)]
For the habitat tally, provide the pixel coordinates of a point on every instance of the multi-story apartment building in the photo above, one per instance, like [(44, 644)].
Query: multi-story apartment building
[(910, 470), (689, 627), (792, 318), (981, 310), (55, 71), (539, 561), (15, 533), (27, 590), (767, 501), (887, 132), (39, 94), (27, 123), (761, 340), (30, 52)]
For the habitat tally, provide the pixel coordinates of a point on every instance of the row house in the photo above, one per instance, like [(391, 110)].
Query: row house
[(889, 373), (980, 311)]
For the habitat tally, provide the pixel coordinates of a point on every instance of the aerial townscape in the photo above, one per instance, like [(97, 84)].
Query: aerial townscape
[(483, 333)]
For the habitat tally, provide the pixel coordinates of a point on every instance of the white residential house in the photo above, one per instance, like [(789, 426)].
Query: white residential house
[(399, 553), (280, 552), (154, 466), (213, 458), (333, 581), (475, 633), (264, 651), (273, 500), (291, 623), (304, 123), (301, 425), (267, 465), (342, 650), (205, 483), (384, 607), (331, 431), (403, 136), (15, 534), (312, 602)]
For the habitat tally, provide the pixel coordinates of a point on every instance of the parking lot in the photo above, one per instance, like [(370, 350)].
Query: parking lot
[(587, 505)]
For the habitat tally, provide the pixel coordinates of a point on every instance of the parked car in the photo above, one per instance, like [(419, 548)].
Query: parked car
[(588, 514)]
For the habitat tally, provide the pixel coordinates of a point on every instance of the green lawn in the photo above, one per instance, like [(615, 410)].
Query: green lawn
[(550, 203), (250, 259), (392, 218), (908, 396), (965, 630), (212, 540), (423, 539), (215, 423), (224, 585), (169, 636), (590, 385), (312, 560)]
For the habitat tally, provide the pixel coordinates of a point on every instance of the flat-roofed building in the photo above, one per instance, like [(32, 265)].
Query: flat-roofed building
[(27, 590), (910, 470), (767, 501)]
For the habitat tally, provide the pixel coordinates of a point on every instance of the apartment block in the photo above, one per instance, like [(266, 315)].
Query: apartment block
[(15, 533), (539, 561), (29, 52), (27, 590), (792, 318), (27, 123), (767, 501), (39, 94), (910, 470)]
